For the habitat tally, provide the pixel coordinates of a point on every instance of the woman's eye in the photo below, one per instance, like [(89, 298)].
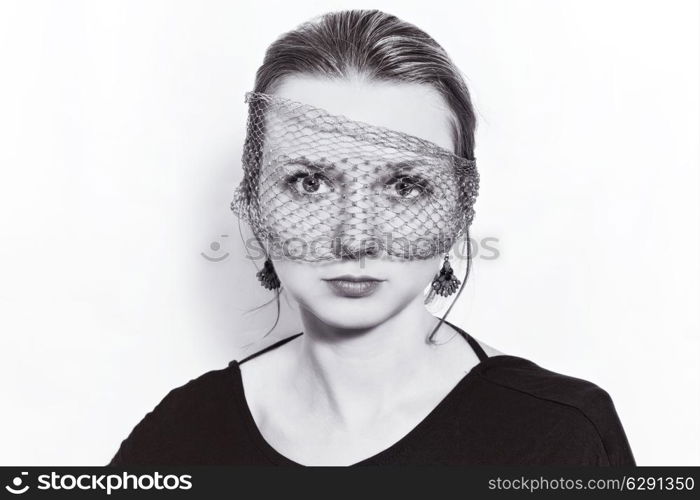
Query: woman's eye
[(407, 187), (309, 183)]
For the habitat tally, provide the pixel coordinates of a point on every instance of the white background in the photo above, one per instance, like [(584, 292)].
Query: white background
[(121, 127)]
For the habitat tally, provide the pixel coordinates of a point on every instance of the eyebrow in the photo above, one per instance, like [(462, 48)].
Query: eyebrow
[(322, 165)]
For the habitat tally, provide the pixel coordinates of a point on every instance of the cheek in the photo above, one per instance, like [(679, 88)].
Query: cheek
[(412, 277), (302, 282), (298, 279)]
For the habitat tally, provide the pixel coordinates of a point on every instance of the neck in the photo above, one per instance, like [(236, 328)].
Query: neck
[(356, 373)]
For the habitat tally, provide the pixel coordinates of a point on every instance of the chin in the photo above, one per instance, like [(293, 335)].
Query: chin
[(353, 313)]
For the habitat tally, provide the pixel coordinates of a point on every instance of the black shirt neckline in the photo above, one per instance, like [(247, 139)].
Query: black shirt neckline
[(278, 458)]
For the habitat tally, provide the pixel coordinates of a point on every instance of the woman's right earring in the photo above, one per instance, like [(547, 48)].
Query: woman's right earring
[(267, 276), (445, 282)]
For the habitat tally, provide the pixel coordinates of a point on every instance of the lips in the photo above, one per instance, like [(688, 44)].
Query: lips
[(349, 277), (353, 286)]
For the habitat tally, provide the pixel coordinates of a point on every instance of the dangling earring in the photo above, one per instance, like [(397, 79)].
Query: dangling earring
[(445, 282), (267, 276)]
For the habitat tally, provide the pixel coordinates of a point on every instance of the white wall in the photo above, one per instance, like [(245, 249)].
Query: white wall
[(121, 130)]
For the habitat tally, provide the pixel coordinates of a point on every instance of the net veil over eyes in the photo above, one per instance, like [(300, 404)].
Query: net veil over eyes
[(318, 186)]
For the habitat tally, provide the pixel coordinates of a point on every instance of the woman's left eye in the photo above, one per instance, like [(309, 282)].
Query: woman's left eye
[(408, 187)]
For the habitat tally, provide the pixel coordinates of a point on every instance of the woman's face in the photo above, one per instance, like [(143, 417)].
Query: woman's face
[(414, 109)]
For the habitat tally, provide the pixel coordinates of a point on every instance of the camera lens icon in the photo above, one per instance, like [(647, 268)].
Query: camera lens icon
[(16, 487)]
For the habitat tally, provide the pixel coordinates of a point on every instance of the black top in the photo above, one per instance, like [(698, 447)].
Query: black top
[(506, 411)]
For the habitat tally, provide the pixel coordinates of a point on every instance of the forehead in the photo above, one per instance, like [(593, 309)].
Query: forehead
[(415, 109)]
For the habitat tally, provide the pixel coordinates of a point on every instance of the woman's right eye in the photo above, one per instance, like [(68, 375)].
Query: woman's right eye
[(309, 183)]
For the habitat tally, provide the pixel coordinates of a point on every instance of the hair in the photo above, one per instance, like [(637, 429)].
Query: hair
[(377, 46)]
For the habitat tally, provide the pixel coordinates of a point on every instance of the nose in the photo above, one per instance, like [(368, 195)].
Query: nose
[(355, 249), (355, 235)]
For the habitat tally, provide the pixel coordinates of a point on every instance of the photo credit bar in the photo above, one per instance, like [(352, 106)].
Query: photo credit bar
[(105, 481)]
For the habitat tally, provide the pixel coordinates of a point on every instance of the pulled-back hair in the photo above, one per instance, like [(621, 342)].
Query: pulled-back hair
[(378, 46)]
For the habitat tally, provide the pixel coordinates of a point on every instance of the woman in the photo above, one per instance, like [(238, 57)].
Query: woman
[(359, 180)]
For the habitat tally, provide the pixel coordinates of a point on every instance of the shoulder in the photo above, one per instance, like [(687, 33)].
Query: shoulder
[(196, 397), (570, 406), (164, 433), (520, 375)]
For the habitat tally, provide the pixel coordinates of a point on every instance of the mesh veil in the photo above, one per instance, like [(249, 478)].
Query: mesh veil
[(318, 186)]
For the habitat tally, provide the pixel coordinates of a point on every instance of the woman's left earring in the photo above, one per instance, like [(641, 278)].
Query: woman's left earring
[(268, 277), (445, 282)]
